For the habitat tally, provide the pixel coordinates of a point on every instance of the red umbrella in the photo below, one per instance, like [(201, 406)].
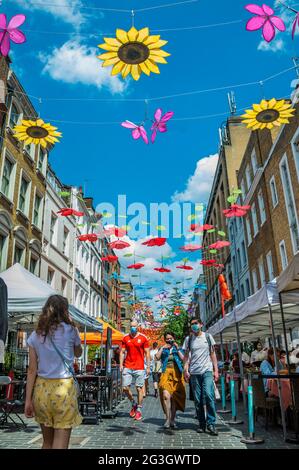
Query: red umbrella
[(191, 247), (119, 245), (208, 262), (200, 228), (162, 270), (236, 211), (65, 212), (219, 244), (136, 266), (91, 237), (184, 266), (110, 258), (118, 232), (158, 241)]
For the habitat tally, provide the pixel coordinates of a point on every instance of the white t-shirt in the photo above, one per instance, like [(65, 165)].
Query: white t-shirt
[(200, 357), (50, 364)]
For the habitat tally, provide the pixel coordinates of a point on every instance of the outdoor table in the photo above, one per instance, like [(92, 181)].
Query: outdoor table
[(286, 391), (92, 395)]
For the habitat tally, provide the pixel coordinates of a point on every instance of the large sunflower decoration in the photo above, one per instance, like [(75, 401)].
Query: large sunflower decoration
[(133, 52), (36, 132), (268, 114)]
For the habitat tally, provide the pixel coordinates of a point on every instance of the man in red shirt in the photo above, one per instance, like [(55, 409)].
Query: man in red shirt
[(132, 367)]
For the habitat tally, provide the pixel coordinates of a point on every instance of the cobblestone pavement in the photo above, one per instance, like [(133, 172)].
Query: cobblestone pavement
[(124, 433)]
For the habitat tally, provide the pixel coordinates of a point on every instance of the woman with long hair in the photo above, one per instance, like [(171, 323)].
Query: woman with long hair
[(51, 394), (268, 367), (171, 384)]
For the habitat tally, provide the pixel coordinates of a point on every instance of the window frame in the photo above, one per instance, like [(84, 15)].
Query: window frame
[(282, 244), (284, 161), (25, 177), (11, 186), (272, 180), (254, 211), (263, 214)]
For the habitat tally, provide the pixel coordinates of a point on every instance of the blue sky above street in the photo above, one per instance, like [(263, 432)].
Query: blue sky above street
[(59, 62)]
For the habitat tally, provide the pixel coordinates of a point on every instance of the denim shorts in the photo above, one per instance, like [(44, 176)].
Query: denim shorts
[(130, 374)]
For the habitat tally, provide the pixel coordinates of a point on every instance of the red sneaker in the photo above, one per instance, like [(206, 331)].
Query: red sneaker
[(138, 415), (133, 411)]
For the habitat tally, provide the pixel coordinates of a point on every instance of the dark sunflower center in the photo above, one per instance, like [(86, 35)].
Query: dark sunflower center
[(133, 53), (37, 132), (268, 115)]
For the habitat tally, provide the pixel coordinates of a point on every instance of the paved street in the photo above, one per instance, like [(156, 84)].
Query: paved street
[(125, 433)]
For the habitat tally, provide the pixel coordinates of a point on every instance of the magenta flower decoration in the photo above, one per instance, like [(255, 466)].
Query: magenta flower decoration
[(10, 32), (160, 123), (265, 20), (137, 132)]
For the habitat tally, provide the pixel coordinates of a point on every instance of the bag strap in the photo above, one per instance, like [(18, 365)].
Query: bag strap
[(66, 365), (209, 342)]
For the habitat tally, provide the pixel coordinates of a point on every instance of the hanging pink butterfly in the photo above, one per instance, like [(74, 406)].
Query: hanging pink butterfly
[(160, 123), (10, 32), (265, 20), (137, 132)]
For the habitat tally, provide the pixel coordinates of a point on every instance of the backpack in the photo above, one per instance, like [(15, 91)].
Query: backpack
[(208, 338)]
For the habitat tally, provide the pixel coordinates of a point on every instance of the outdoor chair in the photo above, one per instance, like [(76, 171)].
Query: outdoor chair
[(269, 405), (9, 407)]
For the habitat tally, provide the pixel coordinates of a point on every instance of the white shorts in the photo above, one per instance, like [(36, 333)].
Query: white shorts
[(130, 374)]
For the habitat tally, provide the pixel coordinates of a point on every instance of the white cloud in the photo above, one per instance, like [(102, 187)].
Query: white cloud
[(275, 46), (76, 63), (66, 10), (278, 44), (199, 184)]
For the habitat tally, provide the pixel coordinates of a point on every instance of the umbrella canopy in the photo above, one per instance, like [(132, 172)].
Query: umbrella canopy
[(95, 338)]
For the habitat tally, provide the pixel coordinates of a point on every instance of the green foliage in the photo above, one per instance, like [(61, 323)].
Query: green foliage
[(177, 324), (93, 351)]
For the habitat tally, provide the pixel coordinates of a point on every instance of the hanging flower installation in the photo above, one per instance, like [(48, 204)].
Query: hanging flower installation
[(110, 258), (137, 132), (136, 266), (10, 32), (133, 52), (268, 114), (265, 20), (219, 244), (158, 241), (160, 123), (119, 245), (236, 211), (36, 132), (66, 212)]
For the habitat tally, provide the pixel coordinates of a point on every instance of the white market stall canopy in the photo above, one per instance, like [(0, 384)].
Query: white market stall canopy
[(27, 295), (252, 316), (289, 279)]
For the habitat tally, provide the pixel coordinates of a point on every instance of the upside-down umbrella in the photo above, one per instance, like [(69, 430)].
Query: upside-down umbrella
[(162, 270), (236, 211), (158, 241), (118, 232), (219, 244), (184, 266), (136, 266), (89, 237), (66, 212), (191, 248), (200, 228), (110, 258), (208, 262), (119, 245)]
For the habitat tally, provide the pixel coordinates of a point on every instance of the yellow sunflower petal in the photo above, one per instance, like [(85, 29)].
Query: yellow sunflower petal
[(248, 120), (36, 141), (257, 126), (112, 61), (285, 114), (21, 137), (112, 42), (144, 68), (151, 66), (126, 70), (280, 104), (122, 36), (29, 141), (135, 71), (156, 58), (151, 39), (132, 34), (272, 103), (252, 124), (157, 45), (107, 55), (270, 125), (263, 126), (117, 68), (257, 108), (264, 104), (43, 143), (282, 121), (108, 47), (40, 122), (160, 52), (143, 34)]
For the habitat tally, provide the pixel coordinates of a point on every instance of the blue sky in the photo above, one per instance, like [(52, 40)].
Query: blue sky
[(58, 61)]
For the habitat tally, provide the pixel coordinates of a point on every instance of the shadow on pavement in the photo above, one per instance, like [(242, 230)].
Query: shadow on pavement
[(127, 431)]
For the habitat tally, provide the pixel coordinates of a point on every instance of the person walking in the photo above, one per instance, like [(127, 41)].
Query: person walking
[(136, 347), (155, 368), (51, 393), (171, 384), (199, 362)]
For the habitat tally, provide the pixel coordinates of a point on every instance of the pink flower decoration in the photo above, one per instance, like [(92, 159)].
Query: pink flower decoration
[(265, 19), (160, 123), (10, 32), (137, 132)]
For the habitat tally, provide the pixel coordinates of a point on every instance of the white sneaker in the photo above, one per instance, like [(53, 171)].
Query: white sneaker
[(167, 425)]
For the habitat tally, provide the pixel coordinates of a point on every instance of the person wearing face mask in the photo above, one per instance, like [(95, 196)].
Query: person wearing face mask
[(136, 347), (171, 384), (199, 361)]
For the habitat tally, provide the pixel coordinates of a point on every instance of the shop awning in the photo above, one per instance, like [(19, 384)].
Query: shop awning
[(95, 338), (288, 280), (27, 295)]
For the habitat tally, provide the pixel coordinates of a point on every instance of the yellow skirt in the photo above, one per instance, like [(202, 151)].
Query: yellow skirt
[(172, 380), (55, 403)]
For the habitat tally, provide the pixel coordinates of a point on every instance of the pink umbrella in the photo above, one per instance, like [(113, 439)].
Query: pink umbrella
[(184, 266), (219, 244), (236, 211), (136, 266), (208, 262), (162, 270), (191, 247), (200, 228), (10, 32), (119, 245), (158, 241)]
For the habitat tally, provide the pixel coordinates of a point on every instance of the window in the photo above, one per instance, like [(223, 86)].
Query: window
[(247, 283), (63, 286), (254, 162), (14, 116), (33, 265), (262, 271), (248, 177), (254, 280), (254, 220), (50, 276), (244, 257), (243, 189), (65, 244), (30, 149), (3, 244), (24, 196), (273, 192), (270, 266), (235, 266), (283, 254), (41, 160), (19, 254), (290, 203), (295, 147), (248, 228), (6, 177), (239, 260), (123, 312), (262, 207), (242, 293), (37, 210), (53, 229)]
